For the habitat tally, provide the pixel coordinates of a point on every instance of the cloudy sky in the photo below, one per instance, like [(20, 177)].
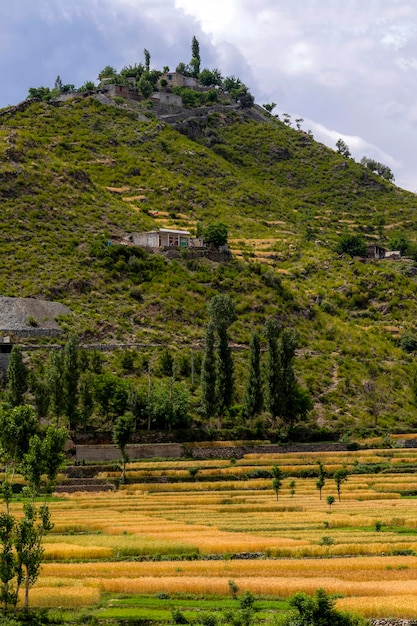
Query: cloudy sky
[(347, 67)]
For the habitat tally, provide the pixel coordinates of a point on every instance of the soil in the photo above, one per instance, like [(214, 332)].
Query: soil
[(29, 314)]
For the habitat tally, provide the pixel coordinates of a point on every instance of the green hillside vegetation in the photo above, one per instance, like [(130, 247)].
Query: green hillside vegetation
[(78, 173)]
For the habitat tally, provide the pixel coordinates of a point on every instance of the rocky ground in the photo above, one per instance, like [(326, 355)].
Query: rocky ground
[(22, 314)]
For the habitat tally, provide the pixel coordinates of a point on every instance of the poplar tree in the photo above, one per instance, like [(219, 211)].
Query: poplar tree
[(253, 399), (222, 313), (321, 478), (122, 434), (195, 57), (17, 378), (54, 376), (70, 378), (273, 369), (208, 374), (147, 60)]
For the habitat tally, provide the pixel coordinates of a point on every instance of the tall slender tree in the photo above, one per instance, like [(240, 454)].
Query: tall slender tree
[(273, 369), (17, 378), (195, 57), (222, 314), (147, 60), (208, 374), (71, 375), (253, 399)]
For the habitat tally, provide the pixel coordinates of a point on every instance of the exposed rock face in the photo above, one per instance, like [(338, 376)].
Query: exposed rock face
[(29, 315)]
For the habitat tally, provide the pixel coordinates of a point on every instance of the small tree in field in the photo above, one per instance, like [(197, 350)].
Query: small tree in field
[(321, 478), (340, 476), (276, 479), (122, 434), (330, 501)]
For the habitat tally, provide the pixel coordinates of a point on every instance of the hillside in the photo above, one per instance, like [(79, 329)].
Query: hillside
[(78, 173)]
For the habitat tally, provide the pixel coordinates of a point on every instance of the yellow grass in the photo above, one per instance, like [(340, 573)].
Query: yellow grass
[(388, 606), (64, 597), (228, 516)]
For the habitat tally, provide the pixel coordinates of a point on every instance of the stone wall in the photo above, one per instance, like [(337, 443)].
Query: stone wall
[(99, 453), (134, 451)]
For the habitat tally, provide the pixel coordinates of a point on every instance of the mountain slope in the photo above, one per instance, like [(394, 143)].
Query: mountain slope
[(75, 174)]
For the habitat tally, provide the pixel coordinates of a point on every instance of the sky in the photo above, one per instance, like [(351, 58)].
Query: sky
[(348, 68)]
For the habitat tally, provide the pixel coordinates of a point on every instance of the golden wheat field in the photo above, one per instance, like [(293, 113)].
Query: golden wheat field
[(362, 548)]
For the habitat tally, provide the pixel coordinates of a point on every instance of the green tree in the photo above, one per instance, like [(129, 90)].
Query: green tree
[(122, 435), (321, 477), (215, 235), (30, 531), (17, 378), (54, 380), (330, 501), (378, 168), (111, 394), (208, 374), (222, 314), (22, 555), (210, 78), (144, 86), (147, 60), (270, 106), (276, 479), (58, 84), (170, 404), (195, 57), (17, 426), (342, 148), (340, 476), (318, 611), (273, 366), (285, 398), (8, 561), (353, 245), (253, 399), (107, 72), (70, 378)]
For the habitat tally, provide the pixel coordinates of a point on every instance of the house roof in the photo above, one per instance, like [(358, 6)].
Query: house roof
[(174, 232)]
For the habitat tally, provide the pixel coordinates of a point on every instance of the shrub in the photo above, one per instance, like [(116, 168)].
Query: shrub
[(353, 245), (319, 611)]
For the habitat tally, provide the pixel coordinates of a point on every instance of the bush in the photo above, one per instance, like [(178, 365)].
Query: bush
[(354, 245), (319, 611)]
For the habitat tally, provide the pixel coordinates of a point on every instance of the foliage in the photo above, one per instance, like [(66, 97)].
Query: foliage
[(122, 434), (253, 398), (276, 479), (321, 477), (215, 235), (17, 377), (342, 148), (378, 168), (354, 245), (318, 610), (340, 476)]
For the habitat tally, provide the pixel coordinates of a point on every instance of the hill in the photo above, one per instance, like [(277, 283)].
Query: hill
[(77, 173)]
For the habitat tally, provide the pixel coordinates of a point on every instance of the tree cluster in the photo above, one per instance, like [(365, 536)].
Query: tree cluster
[(37, 454)]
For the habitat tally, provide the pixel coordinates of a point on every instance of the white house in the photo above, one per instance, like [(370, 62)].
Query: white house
[(165, 238)]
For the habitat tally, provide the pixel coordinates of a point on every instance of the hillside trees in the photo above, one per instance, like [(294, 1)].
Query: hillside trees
[(195, 57), (17, 377), (285, 398), (253, 398), (378, 168), (34, 453)]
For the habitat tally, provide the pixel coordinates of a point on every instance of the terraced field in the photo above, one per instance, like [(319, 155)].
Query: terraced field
[(193, 532)]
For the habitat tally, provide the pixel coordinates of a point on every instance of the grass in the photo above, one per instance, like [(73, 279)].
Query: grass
[(77, 174), (121, 548)]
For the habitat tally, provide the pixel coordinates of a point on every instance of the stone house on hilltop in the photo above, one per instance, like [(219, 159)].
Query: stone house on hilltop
[(175, 79)]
